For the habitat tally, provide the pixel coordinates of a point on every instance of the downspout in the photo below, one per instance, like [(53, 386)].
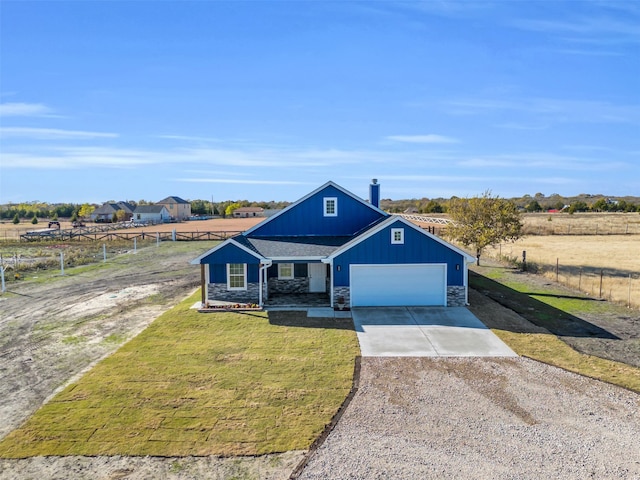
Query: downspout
[(206, 282)]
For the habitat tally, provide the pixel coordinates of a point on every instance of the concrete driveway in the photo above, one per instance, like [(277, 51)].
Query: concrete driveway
[(425, 332)]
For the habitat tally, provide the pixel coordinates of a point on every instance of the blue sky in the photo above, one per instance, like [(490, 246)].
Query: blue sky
[(265, 100)]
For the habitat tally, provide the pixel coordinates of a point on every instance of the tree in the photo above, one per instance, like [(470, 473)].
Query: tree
[(600, 205), (231, 208), (433, 207), (16, 219), (483, 221), (34, 221), (533, 206), (120, 215), (86, 210), (578, 207)]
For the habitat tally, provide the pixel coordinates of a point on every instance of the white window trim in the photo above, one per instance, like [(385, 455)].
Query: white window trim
[(229, 287), (285, 277), (395, 241), (325, 202)]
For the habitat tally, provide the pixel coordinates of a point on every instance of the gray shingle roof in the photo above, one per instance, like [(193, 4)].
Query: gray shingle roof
[(292, 247), (172, 200), (149, 208)]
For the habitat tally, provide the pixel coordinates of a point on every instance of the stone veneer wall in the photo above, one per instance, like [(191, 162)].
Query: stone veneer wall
[(218, 291), (341, 292), (294, 285), (456, 297)]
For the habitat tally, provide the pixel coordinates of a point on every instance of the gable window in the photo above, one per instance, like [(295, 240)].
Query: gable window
[(236, 276), (285, 271), (330, 207), (397, 236)]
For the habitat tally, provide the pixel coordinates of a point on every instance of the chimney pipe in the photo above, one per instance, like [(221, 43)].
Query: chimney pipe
[(374, 193)]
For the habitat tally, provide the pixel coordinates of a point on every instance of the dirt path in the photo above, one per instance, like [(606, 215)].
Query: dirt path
[(52, 330)]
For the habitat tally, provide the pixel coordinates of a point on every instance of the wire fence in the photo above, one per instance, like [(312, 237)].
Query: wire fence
[(618, 286)]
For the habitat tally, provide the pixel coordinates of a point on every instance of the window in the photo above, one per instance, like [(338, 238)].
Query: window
[(285, 271), (397, 236), (330, 207), (237, 276)]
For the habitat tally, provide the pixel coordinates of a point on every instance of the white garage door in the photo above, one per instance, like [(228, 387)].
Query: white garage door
[(398, 285)]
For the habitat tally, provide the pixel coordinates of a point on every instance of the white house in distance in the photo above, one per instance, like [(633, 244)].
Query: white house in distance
[(151, 214), (245, 212), (177, 207)]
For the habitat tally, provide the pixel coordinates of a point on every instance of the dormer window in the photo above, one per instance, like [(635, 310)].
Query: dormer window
[(397, 236), (330, 207)]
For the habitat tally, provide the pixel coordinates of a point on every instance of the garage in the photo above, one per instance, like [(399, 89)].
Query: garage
[(398, 285)]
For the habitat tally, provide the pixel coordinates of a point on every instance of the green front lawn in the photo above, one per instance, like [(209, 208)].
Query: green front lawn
[(201, 384)]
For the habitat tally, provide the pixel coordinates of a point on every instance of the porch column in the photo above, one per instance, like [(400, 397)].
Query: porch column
[(262, 271), (203, 288)]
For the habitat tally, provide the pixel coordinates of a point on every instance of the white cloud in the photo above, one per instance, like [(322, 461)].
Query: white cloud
[(15, 109), (51, 133), (546, 110), (240, 181), (430, 138)]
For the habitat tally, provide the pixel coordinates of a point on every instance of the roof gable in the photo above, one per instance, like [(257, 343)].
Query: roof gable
[(230, 243), (305, 217), (396, 221)]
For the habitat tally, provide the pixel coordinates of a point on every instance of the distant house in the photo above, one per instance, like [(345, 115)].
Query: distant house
[(151, 214), (177, 207), (245, 212), (105, 212)]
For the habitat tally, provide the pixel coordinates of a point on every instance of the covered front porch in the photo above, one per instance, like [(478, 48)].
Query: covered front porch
[(297, 283)]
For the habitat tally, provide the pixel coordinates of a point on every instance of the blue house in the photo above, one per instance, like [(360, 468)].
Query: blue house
[(335, 246)]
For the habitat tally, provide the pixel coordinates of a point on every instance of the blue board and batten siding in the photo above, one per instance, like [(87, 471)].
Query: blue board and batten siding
[(417, 248), (230, 253), (307, 218)]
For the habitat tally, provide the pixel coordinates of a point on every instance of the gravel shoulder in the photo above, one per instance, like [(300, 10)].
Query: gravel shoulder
[(440, 418)]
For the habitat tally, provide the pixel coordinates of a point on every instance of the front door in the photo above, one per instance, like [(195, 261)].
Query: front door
[(317, 278)]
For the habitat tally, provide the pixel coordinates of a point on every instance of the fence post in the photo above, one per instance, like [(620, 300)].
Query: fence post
[(173, 235), (580, 279), (4, 288), (104, 252), (629, 297), (157, 239), (62, 263), (557, 268), (135, 245), (600, 294)]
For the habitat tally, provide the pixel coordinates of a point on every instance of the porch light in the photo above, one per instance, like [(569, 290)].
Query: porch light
[(338, 268)]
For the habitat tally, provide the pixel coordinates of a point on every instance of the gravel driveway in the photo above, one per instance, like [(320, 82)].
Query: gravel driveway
[(480, 418)]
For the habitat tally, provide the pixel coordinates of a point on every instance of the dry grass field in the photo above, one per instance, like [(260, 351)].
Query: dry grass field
[(582, 261), (581, 223)]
